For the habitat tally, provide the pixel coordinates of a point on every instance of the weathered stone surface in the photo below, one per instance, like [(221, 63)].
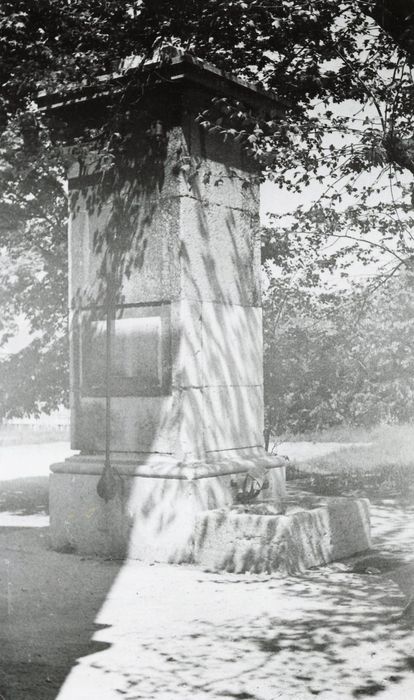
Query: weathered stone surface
[(166, 518), (79, 519), (217, 253), (232, 345), (146, 267), (136, 360), (192, 421), (86, 258), (212, 344), (216, 344), (220, 184), (150, 518), (187, 343), (216, 399), (136, 426), (245, 406), (233, 540), (218, 203), (152, 264)]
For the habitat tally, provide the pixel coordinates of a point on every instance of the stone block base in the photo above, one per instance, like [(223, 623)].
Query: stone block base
[(154, 512), (311, 532)]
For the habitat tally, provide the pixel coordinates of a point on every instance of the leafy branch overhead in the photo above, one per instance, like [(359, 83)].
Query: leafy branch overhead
[(342, 69)]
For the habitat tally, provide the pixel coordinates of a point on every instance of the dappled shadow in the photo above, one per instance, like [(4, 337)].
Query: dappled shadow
[(199, 635), (394, 526), (175, 252), (392, 510), (391, 556), (384, 482), (311, 532)]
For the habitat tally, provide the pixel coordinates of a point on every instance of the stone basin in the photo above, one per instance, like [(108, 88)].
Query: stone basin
[(311, 531)]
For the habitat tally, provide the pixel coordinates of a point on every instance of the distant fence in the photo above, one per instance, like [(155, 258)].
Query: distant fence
[(33, 427), (45, 429)]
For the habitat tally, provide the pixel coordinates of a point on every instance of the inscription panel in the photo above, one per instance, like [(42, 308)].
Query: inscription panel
[(140, 352)]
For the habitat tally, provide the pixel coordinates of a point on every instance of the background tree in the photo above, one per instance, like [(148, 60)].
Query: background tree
[(326, 364)]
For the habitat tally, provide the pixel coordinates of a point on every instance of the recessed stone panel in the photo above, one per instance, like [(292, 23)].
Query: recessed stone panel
[(140, 352)]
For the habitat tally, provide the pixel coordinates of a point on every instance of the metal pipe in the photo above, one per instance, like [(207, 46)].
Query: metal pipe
[(108, 485), (108, 363)]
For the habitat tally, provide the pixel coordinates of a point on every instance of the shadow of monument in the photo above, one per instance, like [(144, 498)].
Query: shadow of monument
[(49, 602)]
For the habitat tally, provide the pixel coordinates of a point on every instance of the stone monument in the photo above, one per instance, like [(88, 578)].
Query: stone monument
[(186, 383), (165, 321)]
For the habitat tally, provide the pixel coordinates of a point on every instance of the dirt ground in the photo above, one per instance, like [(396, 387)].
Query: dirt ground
[(77, 628)]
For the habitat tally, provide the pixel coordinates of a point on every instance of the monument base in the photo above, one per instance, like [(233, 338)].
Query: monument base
[(311, 532), (154, 512)]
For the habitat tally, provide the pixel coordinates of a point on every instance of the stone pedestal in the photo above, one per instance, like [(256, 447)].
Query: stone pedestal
[(186, 420)]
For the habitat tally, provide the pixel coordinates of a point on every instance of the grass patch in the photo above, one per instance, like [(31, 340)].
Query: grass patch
[(384, 466), (339, 433), (386, 446)]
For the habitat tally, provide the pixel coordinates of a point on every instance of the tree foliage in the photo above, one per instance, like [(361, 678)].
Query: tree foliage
[(331, 359), (315, 54)]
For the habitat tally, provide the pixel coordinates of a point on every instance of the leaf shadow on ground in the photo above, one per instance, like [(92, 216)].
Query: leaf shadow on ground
[(337, 629), (327, 631)]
